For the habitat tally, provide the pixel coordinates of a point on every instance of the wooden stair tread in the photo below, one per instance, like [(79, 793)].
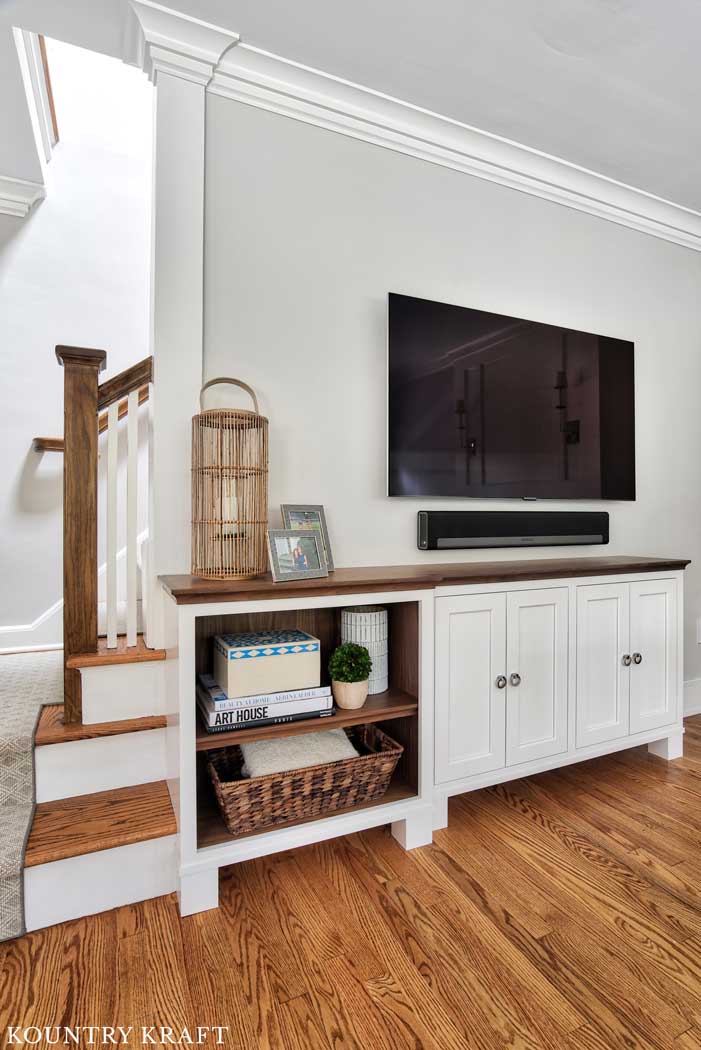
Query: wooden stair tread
[(123, 654), (51, 728), (72, 827)]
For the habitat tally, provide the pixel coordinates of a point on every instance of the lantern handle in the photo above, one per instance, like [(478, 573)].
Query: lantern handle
[(234, 382)]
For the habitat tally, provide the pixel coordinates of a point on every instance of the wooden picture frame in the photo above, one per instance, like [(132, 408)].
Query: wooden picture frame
[(311, 517)]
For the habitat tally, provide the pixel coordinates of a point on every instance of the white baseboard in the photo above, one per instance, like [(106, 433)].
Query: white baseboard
[(692, 697)]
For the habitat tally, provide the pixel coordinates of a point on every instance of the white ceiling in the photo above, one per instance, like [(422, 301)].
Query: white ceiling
[(611, 85), (19, 158)]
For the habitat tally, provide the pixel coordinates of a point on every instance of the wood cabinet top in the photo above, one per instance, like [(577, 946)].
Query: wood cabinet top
[(192, 590)]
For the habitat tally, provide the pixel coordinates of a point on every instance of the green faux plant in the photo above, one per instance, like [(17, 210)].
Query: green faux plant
[(350, 663)]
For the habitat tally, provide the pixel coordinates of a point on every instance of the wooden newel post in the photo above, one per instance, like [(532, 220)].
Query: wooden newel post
[(80, 399)]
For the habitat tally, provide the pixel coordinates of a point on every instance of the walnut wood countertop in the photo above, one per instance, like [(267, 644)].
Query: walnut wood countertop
[(192, 590)]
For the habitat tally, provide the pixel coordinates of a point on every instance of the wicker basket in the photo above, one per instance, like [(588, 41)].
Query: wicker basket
[(248, 804)]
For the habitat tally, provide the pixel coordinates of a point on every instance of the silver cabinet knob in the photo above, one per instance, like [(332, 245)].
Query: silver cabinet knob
[(501, 682), (637, 658), (515, 679), (627, 660)]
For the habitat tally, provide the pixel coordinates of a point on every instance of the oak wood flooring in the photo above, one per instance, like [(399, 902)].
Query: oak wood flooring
[(562, 911)]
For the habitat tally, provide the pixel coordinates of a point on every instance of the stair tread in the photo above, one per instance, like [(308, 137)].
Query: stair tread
[(72, 827), (123, 654), (51, 728)]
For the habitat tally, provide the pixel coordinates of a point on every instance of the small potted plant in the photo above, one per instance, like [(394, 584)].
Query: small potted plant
[(350, 667)]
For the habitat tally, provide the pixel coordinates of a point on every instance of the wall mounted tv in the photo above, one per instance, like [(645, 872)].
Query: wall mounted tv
[(489, 406)]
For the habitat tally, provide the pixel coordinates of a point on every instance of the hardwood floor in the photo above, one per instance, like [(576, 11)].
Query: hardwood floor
[(562, 911)]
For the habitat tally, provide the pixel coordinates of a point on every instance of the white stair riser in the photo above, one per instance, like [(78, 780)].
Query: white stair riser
[(82, 767), (119, 691), (78, 886)]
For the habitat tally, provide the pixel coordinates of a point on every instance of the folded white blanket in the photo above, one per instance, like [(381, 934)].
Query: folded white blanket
[(262, 757)]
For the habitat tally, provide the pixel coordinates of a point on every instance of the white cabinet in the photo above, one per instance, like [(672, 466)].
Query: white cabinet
[(501, 680), (470, 661), (602, 689), (626, 653), (653, 633), (536, 646)]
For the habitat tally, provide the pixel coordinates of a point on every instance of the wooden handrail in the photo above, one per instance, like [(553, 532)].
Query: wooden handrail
[(47, 444), (119, 386), (80, 399)]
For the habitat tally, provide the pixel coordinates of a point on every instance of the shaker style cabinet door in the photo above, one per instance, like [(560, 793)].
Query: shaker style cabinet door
[(603, 659), (470, 685), (536, 668), (653, 650)]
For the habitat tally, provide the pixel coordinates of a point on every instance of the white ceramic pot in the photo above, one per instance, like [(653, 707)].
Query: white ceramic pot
[(350, 695)]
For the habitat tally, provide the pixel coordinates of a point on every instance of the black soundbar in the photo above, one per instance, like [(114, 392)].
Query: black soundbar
[(465, 529)]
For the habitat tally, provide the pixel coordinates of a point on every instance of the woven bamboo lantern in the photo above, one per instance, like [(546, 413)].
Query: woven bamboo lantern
[(229, 490)]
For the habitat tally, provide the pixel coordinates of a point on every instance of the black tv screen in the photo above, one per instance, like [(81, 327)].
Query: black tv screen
[(489, 406)]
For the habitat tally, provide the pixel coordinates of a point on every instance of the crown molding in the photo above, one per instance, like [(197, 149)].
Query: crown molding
[(266, 81), (158, 39), (18, 196)]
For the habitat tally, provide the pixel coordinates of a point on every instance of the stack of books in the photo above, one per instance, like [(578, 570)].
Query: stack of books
[(221, 713)]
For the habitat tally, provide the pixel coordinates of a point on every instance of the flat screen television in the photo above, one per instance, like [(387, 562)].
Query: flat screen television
[(490, 406)]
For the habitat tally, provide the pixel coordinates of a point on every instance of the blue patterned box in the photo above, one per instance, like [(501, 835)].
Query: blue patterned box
[(256, 662)]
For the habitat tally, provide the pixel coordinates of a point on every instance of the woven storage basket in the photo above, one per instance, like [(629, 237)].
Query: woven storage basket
[(229, 490), (248, 804)]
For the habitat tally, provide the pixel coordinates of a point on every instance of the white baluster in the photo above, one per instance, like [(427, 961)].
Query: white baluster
[(132, 510), (111, 577)]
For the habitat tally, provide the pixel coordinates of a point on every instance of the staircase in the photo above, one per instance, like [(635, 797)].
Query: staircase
[(104, 830)]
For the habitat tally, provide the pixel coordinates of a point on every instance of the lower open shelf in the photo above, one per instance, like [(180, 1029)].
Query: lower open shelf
[(211, 830)]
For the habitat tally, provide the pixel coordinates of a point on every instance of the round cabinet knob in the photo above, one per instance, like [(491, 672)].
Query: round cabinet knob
[(627, 660), (637, 658), (515, 679), (501, 682)]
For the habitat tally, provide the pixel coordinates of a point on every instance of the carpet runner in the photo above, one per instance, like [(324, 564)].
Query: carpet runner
[(27, 682)]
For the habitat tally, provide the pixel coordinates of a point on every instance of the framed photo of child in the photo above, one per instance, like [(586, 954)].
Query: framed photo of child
[(309, 517), (296, 554)]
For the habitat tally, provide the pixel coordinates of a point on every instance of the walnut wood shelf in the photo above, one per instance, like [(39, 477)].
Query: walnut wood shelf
[(393, 703), (211, 829), (191, 590)]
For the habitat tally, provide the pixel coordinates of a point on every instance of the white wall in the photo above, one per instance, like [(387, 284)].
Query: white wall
[(76, 271), (307, 231)]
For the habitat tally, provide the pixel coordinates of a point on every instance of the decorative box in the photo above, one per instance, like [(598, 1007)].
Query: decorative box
[(257, 662)]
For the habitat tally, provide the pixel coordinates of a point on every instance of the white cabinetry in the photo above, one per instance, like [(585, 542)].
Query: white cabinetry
[(626, 659), (532, 677), (501, 680)]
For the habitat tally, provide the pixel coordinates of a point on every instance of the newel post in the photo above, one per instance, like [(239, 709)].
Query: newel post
[(81, 370)]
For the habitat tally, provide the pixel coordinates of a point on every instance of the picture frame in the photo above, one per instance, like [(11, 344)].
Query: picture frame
[(309, 516), (296, 554)]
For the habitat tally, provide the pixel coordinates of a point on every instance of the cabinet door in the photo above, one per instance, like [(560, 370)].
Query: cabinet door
[(536, 665), (470, 657), (602, 678), (653, 647)]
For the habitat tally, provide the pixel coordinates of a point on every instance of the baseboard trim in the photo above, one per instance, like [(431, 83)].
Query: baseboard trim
[(692, 697)]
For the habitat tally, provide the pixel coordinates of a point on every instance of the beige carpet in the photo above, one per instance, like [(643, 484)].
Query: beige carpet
[(27, 682)]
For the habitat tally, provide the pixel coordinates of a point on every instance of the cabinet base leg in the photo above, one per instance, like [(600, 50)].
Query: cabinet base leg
[(670, 747), (416, 830), (199, 892), (440, 810)]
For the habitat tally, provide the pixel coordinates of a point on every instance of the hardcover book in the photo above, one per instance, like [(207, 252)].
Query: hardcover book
[(221, 702), (215, 723), (255, 711)]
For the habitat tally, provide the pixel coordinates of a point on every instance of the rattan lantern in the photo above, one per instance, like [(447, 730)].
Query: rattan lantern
[(229, 490)]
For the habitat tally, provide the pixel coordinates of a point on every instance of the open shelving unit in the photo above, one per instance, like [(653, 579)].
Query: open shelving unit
[(397, 708)]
